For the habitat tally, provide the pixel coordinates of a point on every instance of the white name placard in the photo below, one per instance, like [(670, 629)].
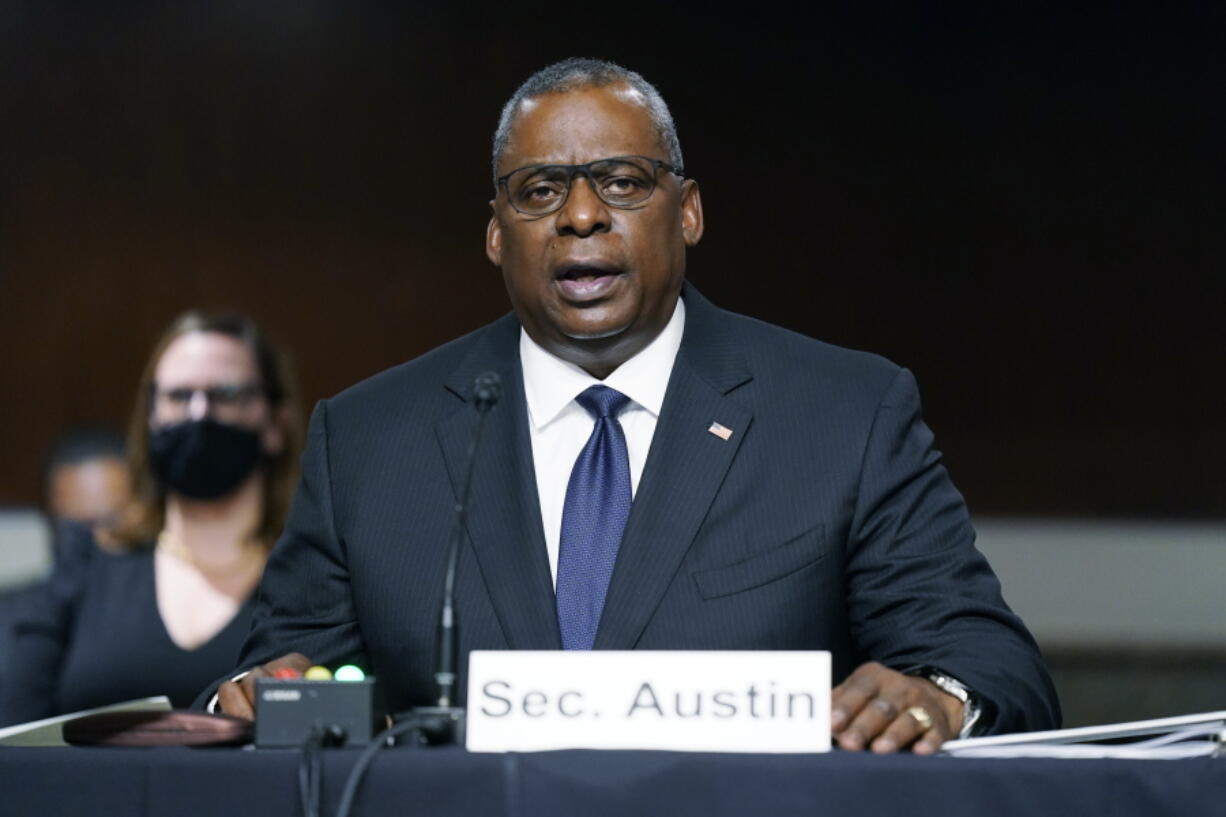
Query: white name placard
[(526, 701)]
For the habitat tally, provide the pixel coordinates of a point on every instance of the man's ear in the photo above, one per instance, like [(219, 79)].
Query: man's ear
[(691, 213), (493, 239)]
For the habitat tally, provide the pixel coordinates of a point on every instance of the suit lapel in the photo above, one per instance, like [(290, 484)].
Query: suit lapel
[(504, 520), (685, 467)]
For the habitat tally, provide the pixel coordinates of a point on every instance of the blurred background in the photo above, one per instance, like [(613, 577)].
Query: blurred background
[(1024, 207)]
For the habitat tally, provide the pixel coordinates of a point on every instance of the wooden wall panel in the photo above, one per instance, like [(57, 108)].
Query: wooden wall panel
[(1024, 207)]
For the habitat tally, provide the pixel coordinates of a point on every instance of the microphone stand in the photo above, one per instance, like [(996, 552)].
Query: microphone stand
[(443, 724)]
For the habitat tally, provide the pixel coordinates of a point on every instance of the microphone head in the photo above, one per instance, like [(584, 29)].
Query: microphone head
[(487, 389)]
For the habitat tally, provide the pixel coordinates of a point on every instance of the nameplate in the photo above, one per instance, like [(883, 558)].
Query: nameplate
[(530, 701)]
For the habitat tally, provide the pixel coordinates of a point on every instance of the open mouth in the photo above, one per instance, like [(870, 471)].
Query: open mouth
[(585, 282), (578, 272)]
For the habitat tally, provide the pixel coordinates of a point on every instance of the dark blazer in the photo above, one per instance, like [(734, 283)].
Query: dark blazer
[(825, 521)]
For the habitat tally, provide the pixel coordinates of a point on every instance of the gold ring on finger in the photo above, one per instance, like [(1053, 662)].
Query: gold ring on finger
[(921, 717)]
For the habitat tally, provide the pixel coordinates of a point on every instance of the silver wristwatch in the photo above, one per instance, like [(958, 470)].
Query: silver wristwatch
[(971, 709)]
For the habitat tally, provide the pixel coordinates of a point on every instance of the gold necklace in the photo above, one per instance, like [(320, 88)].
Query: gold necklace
[(173, 546)]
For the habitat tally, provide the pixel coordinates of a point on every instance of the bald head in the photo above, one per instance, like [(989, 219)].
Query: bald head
[(575, 73)]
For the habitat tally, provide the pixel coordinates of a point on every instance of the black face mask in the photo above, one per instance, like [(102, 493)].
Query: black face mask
[(203, 459)]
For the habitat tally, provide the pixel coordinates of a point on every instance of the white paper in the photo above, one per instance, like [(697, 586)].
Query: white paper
[(1159, 739)]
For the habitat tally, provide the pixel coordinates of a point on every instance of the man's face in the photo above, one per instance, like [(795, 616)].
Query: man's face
[(89, 492), (592, 283)]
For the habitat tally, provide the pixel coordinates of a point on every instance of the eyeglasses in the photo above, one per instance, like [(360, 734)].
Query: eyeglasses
[(622, 181), (222, 397)]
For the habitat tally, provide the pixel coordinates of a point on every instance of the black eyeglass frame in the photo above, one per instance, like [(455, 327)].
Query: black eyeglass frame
[(585, 169)]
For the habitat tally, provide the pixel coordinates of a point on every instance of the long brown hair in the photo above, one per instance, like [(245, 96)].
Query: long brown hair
[(142, 519)]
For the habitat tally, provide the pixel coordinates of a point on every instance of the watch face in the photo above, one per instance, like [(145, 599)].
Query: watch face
[(970, 707), (950, 685)]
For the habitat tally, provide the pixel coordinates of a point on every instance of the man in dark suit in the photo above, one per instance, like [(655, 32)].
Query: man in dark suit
[(754, 489)]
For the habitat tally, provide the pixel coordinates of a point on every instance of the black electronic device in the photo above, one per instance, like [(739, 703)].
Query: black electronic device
[(290, 711)]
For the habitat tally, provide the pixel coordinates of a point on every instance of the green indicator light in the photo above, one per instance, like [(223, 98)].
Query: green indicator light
[(348, 673)]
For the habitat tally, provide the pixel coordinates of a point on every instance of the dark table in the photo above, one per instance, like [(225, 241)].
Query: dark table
[(404, 781)]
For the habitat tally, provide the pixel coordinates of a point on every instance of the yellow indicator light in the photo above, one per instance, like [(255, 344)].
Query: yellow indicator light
[(318, 673)]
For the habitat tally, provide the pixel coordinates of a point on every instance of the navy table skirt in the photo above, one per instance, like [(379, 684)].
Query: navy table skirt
[(405, 781)]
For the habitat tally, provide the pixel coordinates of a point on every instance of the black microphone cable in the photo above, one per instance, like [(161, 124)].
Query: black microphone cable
[(310, 765), (385, 738)]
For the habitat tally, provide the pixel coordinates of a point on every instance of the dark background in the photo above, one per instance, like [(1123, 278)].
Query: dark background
[(1024, 207)]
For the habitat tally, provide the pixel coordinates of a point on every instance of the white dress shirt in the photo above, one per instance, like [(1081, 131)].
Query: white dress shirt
[(560, 427)]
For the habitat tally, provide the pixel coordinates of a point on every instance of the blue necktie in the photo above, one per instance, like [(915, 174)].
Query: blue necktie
[(593, 518)]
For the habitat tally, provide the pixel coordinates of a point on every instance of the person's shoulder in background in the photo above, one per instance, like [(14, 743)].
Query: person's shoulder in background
[(44, 611)]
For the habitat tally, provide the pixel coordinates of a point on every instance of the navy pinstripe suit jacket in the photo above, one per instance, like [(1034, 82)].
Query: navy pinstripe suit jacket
[(825, 521)]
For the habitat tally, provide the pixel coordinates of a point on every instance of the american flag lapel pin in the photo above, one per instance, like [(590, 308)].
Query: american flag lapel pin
[(720, 430)]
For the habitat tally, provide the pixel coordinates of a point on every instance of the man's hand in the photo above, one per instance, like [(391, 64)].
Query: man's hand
[(237, 698), (876, 707)]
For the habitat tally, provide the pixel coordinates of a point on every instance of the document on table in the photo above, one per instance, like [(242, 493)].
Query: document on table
[(50, 731), (1199, 735)]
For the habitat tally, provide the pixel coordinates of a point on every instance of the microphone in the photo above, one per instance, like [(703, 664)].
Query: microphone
[(487, 389), (443, 723)]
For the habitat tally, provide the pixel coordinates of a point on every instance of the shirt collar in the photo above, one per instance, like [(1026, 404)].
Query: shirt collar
[(550, 383)]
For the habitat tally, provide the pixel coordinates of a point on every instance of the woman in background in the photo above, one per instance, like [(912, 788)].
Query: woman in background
[(212, 454)]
